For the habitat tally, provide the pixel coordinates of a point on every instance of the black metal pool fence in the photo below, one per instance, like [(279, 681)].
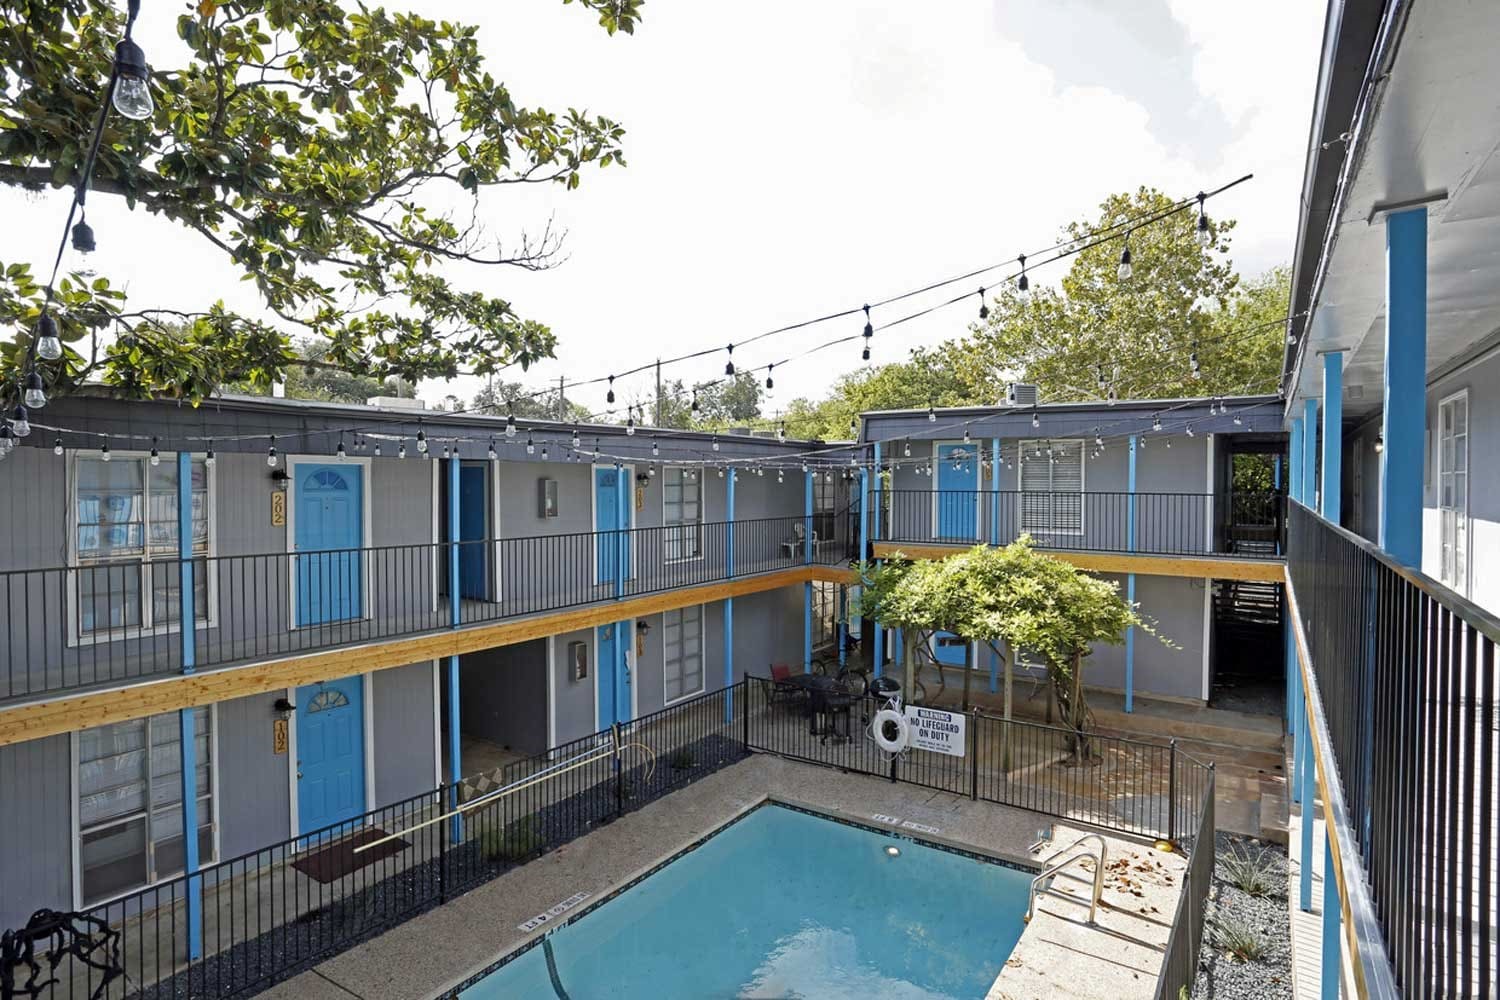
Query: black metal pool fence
[(264, 916)]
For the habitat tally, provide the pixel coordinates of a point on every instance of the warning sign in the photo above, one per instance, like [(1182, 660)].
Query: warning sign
[(940, 732)]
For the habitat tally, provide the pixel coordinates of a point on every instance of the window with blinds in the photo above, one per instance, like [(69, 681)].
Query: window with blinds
[(1052, 487), (682, 513), (130, 803), (125, 524), (682, 653)]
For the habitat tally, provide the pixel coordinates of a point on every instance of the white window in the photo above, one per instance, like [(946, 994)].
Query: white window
[(1453, 490), (130, 803), (125, 519), (1052, 487), (682, 653), (682, 513)]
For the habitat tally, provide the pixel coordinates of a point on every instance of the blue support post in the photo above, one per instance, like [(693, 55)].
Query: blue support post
[(864, 523), (877, 648), (1294, 460), (729, 478), (1130, 577), (1333, 960), (455, 734), (807, 557), (1309, 803), (994, 508), (729, 601), (1333, 435), (622, 522), (843, 631), (1276, 472), (1310, 453), (1403, 423), (186, 721)]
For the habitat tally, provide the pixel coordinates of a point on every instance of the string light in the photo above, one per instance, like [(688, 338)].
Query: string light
[(1379, 442), (984, 309), (931, 414), (630, 425), (544, 453), (655, 448), (510, 425), (715, 442), (1036, 421), (1022, 283), (868, 335), (966, 436), (906, 449), (609, 397), (729, 364), (36, 395), (1156, 422), (401, 449), (1124, 270), (422, 441), (340, 450), (780, 477), (530, 445), (695, 403), (57, 449), (155, 453), (445, 452), (1193, 362), (377, 449), (781, 432), (1189, 430), (575, 437), (1204, 236), (48, 346), (270, 452), (491, 450)]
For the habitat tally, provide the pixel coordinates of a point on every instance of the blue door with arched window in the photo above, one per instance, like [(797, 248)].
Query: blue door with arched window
[(330, 753), (328, 535)]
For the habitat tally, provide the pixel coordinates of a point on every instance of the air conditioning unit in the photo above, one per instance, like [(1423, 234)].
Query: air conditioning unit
[(1020, 394)]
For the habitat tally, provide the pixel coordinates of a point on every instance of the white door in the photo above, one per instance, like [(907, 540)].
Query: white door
[(1453, 490)]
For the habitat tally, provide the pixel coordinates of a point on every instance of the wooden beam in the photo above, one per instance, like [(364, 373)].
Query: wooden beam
[(1198, 567), (72, 711)]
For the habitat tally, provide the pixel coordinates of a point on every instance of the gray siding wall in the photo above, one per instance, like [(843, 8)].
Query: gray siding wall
[(1176, 608), (254, 784), (36, 824), (503, 695), (405, 735), (575, 710)]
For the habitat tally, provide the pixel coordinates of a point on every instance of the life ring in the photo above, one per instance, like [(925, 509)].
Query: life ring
[(889, 730)]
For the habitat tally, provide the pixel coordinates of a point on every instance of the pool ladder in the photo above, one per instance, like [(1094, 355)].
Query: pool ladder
[(1068, 856)]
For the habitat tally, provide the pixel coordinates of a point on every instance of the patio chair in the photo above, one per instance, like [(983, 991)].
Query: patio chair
[(779, 688)]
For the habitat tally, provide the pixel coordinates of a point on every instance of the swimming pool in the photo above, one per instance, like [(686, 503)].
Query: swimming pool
[(782, 903)]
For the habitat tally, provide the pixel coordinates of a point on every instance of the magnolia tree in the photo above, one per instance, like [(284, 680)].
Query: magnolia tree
[(1013, 595)]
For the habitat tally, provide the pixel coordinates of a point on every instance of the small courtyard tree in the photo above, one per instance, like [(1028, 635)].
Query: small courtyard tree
[(1014, 595)]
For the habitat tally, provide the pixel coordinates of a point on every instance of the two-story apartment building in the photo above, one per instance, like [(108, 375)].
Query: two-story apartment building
[(315, 546)]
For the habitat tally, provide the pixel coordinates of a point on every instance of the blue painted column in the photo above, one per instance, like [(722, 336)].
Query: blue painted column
[(1294, 460), (877, 648), (1333, 435), (807, 557), (1130, 503), (1333, 914), (1293, 713), (455, 733), (843, 627), (186, 721), (1308, 775), (994, 508), (1403, 423), (1276, 472), (864, 525), (1310, 453), (729, 478)]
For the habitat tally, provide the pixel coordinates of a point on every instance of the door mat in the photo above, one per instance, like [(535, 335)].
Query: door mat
[(333, 862)]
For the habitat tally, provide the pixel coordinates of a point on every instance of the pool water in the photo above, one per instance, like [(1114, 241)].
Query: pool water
[(786, 904)]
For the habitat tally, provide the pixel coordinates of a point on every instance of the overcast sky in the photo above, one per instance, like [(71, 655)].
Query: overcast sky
[(791, 158)]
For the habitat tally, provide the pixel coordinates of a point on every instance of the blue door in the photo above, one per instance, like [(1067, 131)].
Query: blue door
[(606, 521), (330, 753), (473, 511), (612, 680), (329, 534), (957, 481), (950, 650)]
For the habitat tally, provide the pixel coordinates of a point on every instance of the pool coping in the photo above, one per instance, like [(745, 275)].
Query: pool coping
[(933, 840)]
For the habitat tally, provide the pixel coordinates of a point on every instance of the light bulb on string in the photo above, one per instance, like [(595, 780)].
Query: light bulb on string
[(729, 364), (36, 395), (421, 441), (630, 425), (967, 439), (155, 453), (340, 450), (1238, 421), (1124, 270), (1036, 420), (491, 451), (132, 93), (445, 452), (906, 449), (984, 309), (651, 470), (721, 472), (544, 453), (780, 476), (1114, 396), (401, 449), (1156, 422), (1379, 443), (714, 443), (1189, 430), (609, 397), (83, 236), (530, 445), (377, 449), (868, 335), (781, 432), (770, 382), (1099, 377), (48, 346), (1193, 364), (1023, 283), (695, 404), (20, 422), (655, 448), (7, 442), (57, 449), (270, 452), (1204, 236), (510, 425), (1098, 441), (931, 414)]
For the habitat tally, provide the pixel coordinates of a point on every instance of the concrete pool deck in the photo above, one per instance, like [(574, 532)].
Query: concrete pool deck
[(1058, 955)]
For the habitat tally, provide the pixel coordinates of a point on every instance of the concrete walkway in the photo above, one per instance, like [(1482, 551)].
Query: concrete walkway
[(1307, 928), (1059, 955)]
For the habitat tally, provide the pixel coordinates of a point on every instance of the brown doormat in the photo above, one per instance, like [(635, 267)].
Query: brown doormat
[(337, 860)]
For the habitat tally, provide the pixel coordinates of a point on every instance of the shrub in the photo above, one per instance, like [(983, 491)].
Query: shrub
[(1239, 939), (516, 842), (1250, 872)]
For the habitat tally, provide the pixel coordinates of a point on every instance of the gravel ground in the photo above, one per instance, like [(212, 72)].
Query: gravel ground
[(1221, 976)]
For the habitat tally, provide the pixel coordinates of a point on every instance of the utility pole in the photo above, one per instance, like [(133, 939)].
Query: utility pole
[(562, 404), (658, 392)]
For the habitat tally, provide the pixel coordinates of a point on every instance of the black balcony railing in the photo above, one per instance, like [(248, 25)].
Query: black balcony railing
[(1247, 525), (67, 628), (1406, 677)]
